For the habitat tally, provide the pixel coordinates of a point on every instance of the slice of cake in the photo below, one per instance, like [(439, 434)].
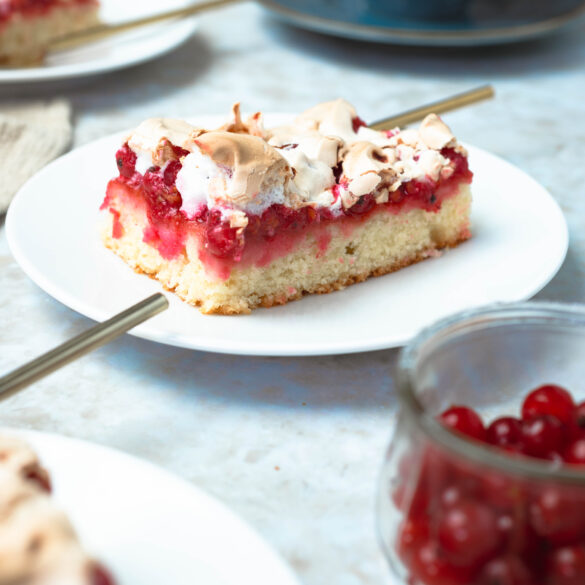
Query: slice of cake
[(38, 545), (242, 217), (28, 26)]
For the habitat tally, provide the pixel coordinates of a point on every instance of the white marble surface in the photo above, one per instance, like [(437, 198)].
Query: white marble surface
[(293, 445)]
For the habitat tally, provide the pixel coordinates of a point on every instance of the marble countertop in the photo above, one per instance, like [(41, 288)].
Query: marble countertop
[(293, 445)]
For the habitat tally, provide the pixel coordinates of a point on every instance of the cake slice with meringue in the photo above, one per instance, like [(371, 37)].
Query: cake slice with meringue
[(243, 216)]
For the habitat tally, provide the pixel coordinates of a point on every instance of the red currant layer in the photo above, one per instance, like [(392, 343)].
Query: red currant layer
[(467, 524), (357, 123), (99, 575), (34, 7), (279, 226)]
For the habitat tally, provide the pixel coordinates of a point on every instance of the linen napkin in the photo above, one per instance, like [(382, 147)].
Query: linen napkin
[(31, 135)]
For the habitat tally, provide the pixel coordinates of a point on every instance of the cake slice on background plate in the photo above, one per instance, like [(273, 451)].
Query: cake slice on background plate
[(27, 27), (242, 217), (38, 545)]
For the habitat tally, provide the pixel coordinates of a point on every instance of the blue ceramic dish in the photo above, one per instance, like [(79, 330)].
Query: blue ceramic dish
[(431, 22)]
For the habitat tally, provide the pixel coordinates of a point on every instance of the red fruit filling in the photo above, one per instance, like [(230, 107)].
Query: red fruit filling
[(99, 575), (357, 123), (29, 8), (279, 225), (464, 524)]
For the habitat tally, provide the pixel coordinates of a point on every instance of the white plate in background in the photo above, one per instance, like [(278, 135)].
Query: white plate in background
[(519, 242), (117, 51), (149, 527)]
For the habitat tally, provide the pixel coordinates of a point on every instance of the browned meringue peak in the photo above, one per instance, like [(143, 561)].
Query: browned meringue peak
[(151, 138), (253, 125), (312, 157), (333, 118), (403, 156), (252, 166), (367, 166), (37, 543), (432, 134), (435, 133), (311, 177), (310, 142)]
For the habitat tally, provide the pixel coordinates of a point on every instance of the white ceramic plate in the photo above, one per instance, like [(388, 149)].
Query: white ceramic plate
[(148, 526), (519, 242), (114, 52)]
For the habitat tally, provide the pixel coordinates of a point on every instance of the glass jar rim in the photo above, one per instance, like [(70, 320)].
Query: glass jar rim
[(492, 315)]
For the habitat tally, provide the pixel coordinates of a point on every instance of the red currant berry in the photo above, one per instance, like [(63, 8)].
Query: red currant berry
[(465, 421), (542, 435), (100, 576), (508, 570), (452, 495), (577, 427), (223, 241), (438, 470), (468, 533), (170, 173), (500, 491), (357, 123), (515, 534), (558, 516), (126, 161), (365, 204), (566, 566), (549, 399), (430, 567), (505, 431), (414, 533), (575, 452)]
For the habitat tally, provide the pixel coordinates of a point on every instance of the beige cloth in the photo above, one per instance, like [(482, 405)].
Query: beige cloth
[(31, 135)]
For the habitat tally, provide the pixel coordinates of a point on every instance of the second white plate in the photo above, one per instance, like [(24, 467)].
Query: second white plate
[(148, 526), (519, 242), (115, 52)]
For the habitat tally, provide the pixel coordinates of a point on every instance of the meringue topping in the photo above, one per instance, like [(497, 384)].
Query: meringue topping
[(237, 170), (253, 125), (150, 141), (242, 168), (366, 166), (330, 119), (435, 133)]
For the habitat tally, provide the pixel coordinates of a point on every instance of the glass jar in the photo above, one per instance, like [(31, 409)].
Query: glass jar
[(454, 511)]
